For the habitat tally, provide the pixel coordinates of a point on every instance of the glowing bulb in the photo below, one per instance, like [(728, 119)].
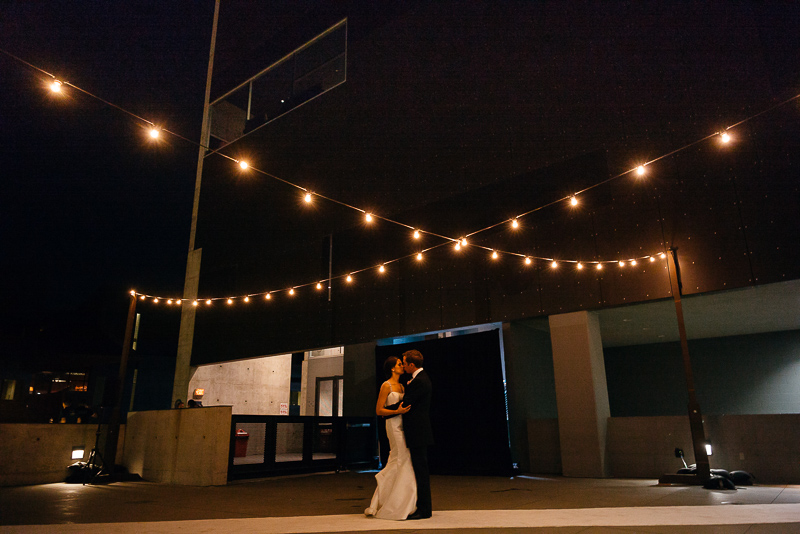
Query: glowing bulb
[(382, 269), (368, 217), (308, 198), (154, 133), (554, 265), (268, 296), (178, 301), (640, 170), (247, 299), (169, 301), (494, 254), (621, 263), (349, 278), (652, 259), (663, 256), (725, 137), (155, 301), (230, 301), (243, 164), (55, 86), (319, 285), (133, 292), (633, 262), (573, 201), (514, 224), (580, 265), (528, 261), (142, 297), (194, 303), (419, 256), (291, 291), (416, 234), (458, 245), (208, 302), (599, 266)]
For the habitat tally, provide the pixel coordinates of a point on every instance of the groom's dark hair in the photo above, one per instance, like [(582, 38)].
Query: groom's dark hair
[(388, 365), (413, 356)]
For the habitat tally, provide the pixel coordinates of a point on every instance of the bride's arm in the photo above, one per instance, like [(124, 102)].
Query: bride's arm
[(386, 388)]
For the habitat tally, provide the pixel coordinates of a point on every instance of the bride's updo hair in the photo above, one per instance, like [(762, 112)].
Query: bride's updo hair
[(388, 365)]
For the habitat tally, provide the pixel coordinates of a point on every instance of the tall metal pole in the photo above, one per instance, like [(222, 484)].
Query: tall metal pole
[(112, 434), (695, 416)]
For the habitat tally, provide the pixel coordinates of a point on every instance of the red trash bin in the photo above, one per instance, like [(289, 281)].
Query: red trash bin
[(240, 449)]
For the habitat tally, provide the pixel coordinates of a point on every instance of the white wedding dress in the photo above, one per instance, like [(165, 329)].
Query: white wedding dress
[(396, 495)]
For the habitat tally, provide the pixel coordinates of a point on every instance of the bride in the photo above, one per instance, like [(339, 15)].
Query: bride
[(396, 495)]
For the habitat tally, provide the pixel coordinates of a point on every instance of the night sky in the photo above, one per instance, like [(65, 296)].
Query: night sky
[(90, 207)]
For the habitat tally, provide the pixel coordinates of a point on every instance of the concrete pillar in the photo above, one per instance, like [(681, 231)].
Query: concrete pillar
[(581, 393), (183, 369)]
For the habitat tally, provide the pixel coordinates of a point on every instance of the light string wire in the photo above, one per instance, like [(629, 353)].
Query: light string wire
[(369, 215)]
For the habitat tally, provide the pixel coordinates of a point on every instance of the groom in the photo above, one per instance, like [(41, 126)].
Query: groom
[(417, 428)]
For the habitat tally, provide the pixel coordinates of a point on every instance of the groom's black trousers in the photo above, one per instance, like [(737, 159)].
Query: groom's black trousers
[(419, 459)]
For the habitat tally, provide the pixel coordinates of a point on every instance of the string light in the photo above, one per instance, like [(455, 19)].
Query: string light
[(291, 291), (349, 278), (725, 137), (154, 133), (633, 262), (494, 255), (621, 263), (56, 86), (663, 256), (155, 300), (169, 302), (640, 170), (142, 297), (208, 302), (308, 198), (416, 234), (457, 245), (514, 224), (230, 301), (599, 266), (243, 164), (268, 296), (194, 303), (419, 256), (580, 265), (319, 285), (382, 268), (247, 299), (368, 217), (573, 201), (528, 261), (464, 241), (554, 264)]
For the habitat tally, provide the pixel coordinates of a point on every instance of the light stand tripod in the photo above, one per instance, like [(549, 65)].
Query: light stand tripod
[(95, 465)]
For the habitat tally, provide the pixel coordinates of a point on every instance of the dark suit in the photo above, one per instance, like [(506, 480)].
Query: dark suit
[(419, 436)]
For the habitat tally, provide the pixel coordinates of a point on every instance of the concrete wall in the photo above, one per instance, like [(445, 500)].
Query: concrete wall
[(251, 387), (544, 453), (186, 447), (40, 453), (763, 445)]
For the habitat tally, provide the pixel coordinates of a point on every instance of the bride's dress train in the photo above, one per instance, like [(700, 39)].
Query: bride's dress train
[(396, 495)]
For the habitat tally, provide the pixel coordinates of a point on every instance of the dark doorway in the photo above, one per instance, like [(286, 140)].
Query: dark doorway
[(468, 408)]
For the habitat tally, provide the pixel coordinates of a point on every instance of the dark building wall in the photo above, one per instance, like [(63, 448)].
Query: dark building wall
[(737, 375), (455, 117)]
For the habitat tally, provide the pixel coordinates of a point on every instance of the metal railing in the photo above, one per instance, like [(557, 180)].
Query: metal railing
[(270, 445)]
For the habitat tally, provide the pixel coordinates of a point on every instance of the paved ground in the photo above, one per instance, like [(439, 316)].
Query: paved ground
[(335, 503)]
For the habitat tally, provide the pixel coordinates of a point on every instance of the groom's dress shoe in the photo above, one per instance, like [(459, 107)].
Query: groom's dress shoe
[(417, 515)]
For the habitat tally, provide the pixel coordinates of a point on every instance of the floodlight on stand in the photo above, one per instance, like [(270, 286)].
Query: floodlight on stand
[(78, 452)]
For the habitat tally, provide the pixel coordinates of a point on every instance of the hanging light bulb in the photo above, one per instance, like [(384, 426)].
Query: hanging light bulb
[(208, 302), (640, 170), (663, 256), (194, 303), (599, 266), (349, 278), (142, 297), (230, 301), (368, 217), (169, 302), (633, 262), (573, 201), (724, 137), (319, 285), (55, 86), (580, 265), (419, 256), (416, 234), (155, 300), (382, 268), (621, 263), (554, 265), (243, 164), (494, 255), (457, 245), (247, 299), (307, 198), (268, 296), (652, 259), (154, 133), (528, 261), (514, 224), (133, 292), (178, 301), (464, 241), (291, 291)]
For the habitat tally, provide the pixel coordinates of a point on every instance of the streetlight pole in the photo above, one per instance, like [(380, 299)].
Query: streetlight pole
[(112, 433), (695, 416)]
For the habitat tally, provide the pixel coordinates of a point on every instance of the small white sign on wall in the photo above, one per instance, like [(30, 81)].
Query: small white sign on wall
[(284, 408)]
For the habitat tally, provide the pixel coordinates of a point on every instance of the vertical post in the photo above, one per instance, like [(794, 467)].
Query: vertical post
[(695, 416), (112, 433)]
